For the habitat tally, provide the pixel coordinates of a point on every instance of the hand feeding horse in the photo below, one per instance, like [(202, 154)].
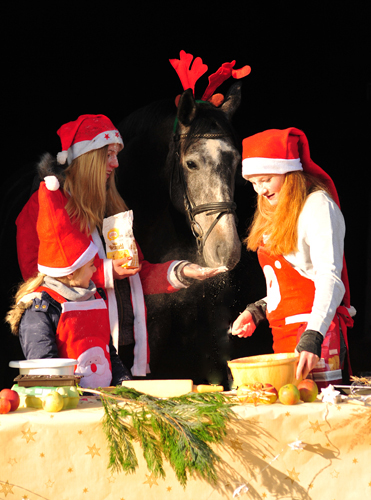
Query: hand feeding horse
[(177, 173)]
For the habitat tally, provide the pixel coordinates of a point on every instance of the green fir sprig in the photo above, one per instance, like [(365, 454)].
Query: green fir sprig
[(179, 430)]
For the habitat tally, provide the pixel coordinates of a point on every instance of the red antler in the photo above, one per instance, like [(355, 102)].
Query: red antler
[(188, 77), (223, 73)]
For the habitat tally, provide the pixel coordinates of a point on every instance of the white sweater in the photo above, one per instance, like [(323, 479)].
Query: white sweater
[(321, 232)]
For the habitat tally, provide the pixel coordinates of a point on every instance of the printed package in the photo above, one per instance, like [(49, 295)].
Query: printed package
[(119, 238), (328, 370)]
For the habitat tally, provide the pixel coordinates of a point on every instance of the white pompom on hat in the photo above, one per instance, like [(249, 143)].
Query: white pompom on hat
[(51, 183), (87, 133), (63, 248)]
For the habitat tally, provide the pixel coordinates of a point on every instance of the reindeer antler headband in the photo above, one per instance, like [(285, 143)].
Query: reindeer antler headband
[(189, 75)]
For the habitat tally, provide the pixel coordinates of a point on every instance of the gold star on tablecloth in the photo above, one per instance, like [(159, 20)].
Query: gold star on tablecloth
[(49, 483), (28, 435), (25, 497), (151, 480), (93, 450), (168, 488), (6, 488), (42, 455), (355, 460), (70, 469), (111, 479), (12, 461), (335, 474), (80, 432), (293, 475), (85, 490), (315, 426), (287, 414)]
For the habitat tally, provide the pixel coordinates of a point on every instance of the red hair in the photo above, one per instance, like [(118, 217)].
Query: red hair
[(276, 226)]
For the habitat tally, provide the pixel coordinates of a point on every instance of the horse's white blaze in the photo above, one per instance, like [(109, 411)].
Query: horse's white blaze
[(206, 183)]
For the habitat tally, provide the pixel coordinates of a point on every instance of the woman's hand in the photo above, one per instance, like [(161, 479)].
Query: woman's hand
[(244, 325), (120, 272), (197, 272), (307, 361)]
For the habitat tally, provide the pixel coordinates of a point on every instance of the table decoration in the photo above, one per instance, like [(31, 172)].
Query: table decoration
[(179, 430)]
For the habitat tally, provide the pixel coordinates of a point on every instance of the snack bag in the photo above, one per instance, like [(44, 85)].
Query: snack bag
[(119, 238)]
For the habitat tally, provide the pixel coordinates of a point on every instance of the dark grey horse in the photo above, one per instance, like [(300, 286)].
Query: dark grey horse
[(177, 173)]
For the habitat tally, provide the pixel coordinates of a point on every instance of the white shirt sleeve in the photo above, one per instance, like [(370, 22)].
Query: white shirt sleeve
[(321, 232)]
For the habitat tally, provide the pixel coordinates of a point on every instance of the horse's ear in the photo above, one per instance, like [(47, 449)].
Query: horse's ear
[(232, 99), (186, 108)]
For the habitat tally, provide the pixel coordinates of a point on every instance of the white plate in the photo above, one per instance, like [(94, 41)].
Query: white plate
[(47, 366)]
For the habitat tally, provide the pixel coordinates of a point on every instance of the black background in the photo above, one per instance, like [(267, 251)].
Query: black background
[(310, 69)]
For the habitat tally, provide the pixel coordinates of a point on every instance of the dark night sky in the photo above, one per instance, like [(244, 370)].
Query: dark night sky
[(310, 70)]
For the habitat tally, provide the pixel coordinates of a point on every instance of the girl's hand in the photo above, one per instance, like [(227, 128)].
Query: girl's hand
[(244, 325), (120, 272), (201, 273), (307, 361)]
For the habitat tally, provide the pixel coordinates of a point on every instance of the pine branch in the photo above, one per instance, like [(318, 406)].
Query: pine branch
[(178, 430)]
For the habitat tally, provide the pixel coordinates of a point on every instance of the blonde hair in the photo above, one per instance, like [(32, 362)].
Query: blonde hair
[(14, 315), (279, 223), (90, 196), (19, 306)]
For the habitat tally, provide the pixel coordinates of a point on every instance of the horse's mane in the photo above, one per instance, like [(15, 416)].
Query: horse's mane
[(154, 120)]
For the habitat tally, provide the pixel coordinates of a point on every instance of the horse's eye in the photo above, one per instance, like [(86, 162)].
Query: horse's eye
[(191, 165)]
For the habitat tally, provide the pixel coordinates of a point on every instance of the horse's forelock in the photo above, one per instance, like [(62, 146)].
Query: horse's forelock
[(209, 120)]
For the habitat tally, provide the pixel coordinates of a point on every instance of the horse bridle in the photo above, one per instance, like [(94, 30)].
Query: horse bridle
[(219, 207)]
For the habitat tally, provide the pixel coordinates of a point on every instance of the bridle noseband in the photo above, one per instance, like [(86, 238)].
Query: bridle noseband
[(219, 207)]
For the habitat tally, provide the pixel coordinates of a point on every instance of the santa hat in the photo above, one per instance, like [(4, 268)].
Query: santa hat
[(280, 151), (63, 248), (87, 133)]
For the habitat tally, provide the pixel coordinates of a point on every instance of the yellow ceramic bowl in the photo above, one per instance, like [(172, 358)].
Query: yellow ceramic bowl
[(276, 369)]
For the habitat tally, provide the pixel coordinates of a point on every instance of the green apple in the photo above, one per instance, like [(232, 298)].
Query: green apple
[(53, 402), (289, 394)]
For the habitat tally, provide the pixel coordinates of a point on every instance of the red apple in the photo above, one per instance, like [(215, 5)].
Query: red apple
[(289, 394), (12, 397), (308, 390), (273, 394), (4, 405)]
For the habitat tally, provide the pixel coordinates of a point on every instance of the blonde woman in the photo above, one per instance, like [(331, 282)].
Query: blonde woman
[(298, 231), (90, 146)]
